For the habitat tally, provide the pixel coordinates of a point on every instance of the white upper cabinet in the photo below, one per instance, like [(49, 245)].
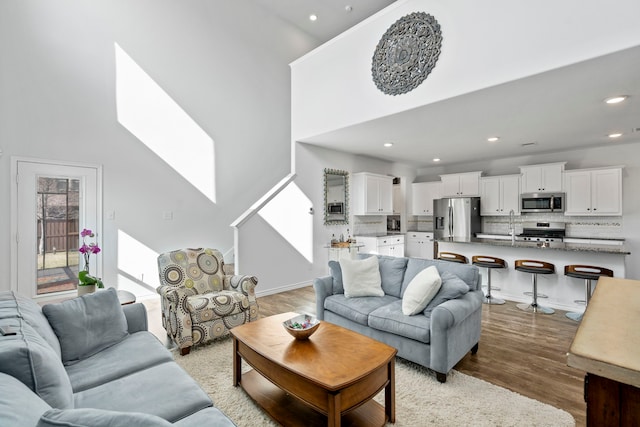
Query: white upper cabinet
[(372, 194), (499, 195), (461, 184), (424, 193), (594, 192), (398, 200), (542, 178)]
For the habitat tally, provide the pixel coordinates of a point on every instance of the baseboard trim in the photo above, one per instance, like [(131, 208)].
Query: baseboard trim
[(282, 288)]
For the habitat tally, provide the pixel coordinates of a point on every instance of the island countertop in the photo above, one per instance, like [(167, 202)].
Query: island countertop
[(553, 246), (607, 341)]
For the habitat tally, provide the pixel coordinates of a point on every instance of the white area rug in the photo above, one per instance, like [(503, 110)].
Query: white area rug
[(420, 399)]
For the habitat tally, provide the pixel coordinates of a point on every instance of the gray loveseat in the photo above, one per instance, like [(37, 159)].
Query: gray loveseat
[(91, 362), (437, 338)]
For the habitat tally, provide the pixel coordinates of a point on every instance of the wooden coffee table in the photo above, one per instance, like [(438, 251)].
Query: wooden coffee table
[(329, 379)]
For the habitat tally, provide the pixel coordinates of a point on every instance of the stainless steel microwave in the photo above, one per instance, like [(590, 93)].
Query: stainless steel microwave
[(335, 208), (542, 202)]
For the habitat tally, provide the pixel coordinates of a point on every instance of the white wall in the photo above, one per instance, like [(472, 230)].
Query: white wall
[(497, 42), (224, 63)]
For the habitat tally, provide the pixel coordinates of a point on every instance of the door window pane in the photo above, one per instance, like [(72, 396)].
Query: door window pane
[(57, 218)]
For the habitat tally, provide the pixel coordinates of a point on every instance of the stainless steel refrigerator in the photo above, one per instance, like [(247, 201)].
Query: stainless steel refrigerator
[(456, 217)]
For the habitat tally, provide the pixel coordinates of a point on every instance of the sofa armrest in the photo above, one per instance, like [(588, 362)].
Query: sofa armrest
[(136, 315), (172, 300), (455, 329), (454, 311), (323, 287)]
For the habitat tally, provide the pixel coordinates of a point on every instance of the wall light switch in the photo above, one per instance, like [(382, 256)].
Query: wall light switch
[(167, 215), (111, 215)]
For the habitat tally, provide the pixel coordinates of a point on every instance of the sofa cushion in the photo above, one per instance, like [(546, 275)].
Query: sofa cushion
[(421, 291), (88, 324), (98, 417), (164, 390), (391, 273), (361, 277), (142, 350), (452, 287), (29, 358), (468, 273), (389, 318), (19, 406), (356, 309), (205, 417), (216, 305), (15, 305)]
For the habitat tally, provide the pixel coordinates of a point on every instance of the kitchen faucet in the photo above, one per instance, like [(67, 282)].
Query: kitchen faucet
[(512, 227)]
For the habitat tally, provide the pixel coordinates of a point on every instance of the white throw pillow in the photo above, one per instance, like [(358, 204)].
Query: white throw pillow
[(421, 291), (361, 277)]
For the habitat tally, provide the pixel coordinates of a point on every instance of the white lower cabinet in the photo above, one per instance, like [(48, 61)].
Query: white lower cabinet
[(419, 245), (385, 245)]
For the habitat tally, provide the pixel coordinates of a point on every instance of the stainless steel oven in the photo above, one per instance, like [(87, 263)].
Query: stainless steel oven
[(542, 202)]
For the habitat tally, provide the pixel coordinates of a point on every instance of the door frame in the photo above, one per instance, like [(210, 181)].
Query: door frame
[(14, 214)]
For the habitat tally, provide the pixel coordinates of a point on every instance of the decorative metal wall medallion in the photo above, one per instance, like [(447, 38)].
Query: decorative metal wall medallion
[(406, 53)]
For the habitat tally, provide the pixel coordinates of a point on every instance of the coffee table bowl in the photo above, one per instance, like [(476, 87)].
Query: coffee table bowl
[(302, 319)]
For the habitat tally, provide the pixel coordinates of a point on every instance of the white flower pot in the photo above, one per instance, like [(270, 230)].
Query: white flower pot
[(86, 289)]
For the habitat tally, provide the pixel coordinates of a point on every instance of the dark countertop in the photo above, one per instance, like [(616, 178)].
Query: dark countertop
[(560, 246)]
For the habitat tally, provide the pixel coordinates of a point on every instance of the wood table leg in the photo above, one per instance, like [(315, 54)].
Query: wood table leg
[(237, 363), (333, 414), (390, 392)]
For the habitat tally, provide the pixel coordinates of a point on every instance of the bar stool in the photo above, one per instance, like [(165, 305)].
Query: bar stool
[(453, 257), (588, 273), (535, 267), (489, 263)]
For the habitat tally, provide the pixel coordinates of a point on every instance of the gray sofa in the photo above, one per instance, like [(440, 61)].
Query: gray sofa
[(437, 338), (90, 362)]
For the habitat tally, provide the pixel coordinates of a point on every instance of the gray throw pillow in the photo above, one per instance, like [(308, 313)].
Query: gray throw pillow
[(452, 287), (88, 324), (89, 417), (336, 274)]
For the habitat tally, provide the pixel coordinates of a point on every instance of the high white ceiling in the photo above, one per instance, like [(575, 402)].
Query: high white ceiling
[(333, 17), (550, 112)]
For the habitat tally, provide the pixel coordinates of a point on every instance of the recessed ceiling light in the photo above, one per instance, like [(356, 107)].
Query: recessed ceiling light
[(313, 17), (348, 8), (388, 144), (616, 99), (436, 159), (493, 139), (615, 135)]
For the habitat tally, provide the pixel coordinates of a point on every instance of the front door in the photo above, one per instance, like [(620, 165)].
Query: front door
[(54, 202)]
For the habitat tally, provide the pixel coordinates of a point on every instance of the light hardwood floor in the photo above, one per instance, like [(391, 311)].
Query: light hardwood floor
[(519, 351)]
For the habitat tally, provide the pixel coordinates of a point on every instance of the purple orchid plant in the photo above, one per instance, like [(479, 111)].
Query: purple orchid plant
[(86, 250)]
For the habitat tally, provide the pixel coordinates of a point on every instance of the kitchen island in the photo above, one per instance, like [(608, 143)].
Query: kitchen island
[(562, 291), (606, 347)]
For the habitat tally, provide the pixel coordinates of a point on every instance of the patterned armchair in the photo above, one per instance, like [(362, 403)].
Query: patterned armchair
[(199, 301)]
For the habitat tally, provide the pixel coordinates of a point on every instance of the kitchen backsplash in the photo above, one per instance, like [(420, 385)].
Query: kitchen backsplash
[(597, 227)]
